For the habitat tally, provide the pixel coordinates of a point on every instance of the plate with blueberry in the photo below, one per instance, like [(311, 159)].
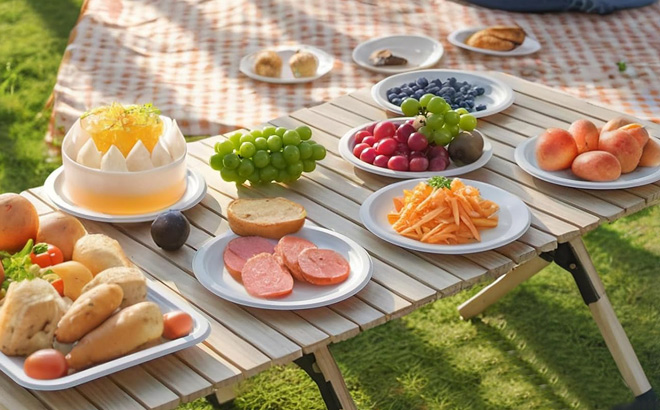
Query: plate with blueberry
[(479, 94)]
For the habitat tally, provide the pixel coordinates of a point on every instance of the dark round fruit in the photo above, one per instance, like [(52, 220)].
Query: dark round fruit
[(170, 230), (467, 147)]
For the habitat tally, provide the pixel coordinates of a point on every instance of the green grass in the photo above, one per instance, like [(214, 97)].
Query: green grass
[(537, 348)]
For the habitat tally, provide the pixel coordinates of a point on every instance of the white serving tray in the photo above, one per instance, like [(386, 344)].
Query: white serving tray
[(12, 366)]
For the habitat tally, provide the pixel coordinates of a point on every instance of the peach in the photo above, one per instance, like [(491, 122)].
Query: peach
[(638, 131), (596, 166), (585, 134), (555, 149), (623, 146), (650, 154), (615, 124)]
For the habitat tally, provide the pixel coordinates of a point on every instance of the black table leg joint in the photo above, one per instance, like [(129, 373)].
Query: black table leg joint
[(565, 257), (308, 364)]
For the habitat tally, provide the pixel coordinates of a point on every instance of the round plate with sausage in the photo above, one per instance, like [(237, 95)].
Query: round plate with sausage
[(335, 269)]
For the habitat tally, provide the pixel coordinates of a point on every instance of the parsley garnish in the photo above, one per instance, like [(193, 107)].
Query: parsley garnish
[(439, 182), (18, 266)]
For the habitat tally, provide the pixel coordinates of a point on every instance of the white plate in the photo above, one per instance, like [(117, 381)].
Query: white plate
[(211, 273), (326, 62), (347, 142), (156, 292), (459, 37), (526, 159), (420, 51), (514, 219), (498, 96), (54, 186)]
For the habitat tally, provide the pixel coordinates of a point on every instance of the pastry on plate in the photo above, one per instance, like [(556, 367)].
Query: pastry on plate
[(303, 64), (385, 57), (497, 38), (268, 64)]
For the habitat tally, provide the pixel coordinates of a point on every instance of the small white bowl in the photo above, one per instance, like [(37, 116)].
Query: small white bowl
[(420, 51), (459, 37)]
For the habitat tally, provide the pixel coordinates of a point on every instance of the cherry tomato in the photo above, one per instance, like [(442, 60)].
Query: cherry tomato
[(45, 364), (59, 286), (46, 255), (176, 324)]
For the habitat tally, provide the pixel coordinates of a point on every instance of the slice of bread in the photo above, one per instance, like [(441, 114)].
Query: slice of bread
[(267, 217)]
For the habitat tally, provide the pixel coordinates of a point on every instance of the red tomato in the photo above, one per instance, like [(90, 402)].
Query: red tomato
[(52, 255), (45, 364), (59, 286), (176, 324)]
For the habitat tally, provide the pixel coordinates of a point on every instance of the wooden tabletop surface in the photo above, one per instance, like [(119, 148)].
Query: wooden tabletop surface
[(245, 341)]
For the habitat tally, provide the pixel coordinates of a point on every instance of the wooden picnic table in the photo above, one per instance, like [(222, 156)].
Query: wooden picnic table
[(245, 341)]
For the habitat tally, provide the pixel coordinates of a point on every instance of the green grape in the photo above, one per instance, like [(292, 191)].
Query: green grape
[(277, 160), (309, 165), (268, 131), (426, 130), (254, 177), (452, 118), (437, 105), (462, 111), (261, 143), (305, 150), (305, 132), (424, 101), (318, 152), (311, 142), (230, 161), (291, 154), (441, 137), (291, 137), (282, 175), (257, 133), (280, 131), (452, 129), (410, 107), (261, 158), (246, 168), (295, 169), (467, 122), (435, 121), (225, 147), (216, 161), (274, 143), (235, 138), (247, 150), (240, 180), (246, 138), (228, 175), (268, 173)]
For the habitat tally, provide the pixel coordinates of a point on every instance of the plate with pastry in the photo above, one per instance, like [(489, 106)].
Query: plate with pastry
[(506, 41), (289, 64), (398, 54)]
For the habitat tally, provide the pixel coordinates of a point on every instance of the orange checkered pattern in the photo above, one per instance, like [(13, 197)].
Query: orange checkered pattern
[(183, 55)]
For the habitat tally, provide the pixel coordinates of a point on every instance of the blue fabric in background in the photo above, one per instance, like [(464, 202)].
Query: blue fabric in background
[(539, 6)]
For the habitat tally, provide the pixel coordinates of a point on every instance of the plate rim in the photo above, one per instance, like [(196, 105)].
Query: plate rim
[(521, 160), (452, 38), (347, 154), (441, 249), (198, 266), (62, 204), (438, 44), (244, 67), (375, 89)]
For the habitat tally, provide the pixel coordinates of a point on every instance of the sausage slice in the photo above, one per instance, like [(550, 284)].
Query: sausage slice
[(239, 250), (264, 277), (289, 248), (323, 266)]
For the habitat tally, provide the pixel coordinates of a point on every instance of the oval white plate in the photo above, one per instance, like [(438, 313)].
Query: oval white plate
[(420, 51), (526, 159), (498, 96), (54, 186), (211, 273), (514, 219), (347, 142), (326, 62), (459, 37)]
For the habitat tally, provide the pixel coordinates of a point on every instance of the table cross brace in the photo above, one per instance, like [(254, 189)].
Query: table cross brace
[(308, 363)]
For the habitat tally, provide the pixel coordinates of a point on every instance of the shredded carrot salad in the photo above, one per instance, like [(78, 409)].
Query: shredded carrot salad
[(442, 215)]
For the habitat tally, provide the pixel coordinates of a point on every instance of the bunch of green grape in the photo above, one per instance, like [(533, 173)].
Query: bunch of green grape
[(270, 154), (439, 123)]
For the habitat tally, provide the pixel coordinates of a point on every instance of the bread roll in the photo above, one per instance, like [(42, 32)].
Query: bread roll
[(267, 217), (89, 311), (131, 280), (268, 64), (99, 252)]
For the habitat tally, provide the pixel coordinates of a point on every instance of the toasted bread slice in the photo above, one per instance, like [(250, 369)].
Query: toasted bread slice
[(267, 217), (513, 34), (481, 39)]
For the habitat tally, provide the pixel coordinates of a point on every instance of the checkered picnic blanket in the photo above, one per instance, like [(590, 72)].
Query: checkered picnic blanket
[(183, 55)]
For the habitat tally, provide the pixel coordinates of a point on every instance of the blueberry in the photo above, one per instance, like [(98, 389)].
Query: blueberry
[(390, 97), (422, 82), (412, 83), (480, 90), (448, 91), (402, 95), (451, 80), (415, 88), (396, 101), (396, 90), (480, 107), (433, 90), (419, 94)]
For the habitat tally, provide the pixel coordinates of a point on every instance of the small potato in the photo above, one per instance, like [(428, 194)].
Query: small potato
[(596, 166), (61, 230), (99, 252), (75, 276)]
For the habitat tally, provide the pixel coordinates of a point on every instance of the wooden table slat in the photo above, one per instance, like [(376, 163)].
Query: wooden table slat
[(213, 367), (330, 322), (180, 378), (144, 388), (107, 395), (68, 399), (14, 397)]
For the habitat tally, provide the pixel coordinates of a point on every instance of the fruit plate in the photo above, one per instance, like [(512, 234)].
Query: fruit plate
[(347, 142), (420, 51), (458, 38), (211, 273), (526, 159), (54, 187), (498, 96), (326, 61), (157, 293), (514, 219)]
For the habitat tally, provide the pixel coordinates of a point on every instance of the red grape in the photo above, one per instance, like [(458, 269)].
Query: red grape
[(416, 154), (360, 135), (386, 146), (417, 141), (369, 140), (384, 129), (438, 164), (368, 155), (398, 163), (370, 129), (357, 150), (438, 151), (381, 161), (403, 132), (402, 149), (419, 164)]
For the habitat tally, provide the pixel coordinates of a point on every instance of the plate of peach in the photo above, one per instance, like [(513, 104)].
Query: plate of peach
[(621, 154)]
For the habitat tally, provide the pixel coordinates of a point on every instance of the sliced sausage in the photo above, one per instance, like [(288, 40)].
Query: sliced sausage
[(264, 277), (288, 248), (323, 266), (239, 250)]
